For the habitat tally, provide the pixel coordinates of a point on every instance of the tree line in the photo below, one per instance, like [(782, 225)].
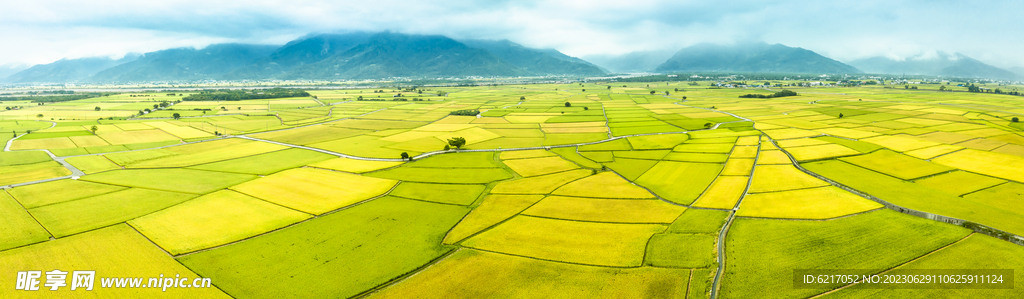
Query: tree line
[(783, 93), (238, 95)]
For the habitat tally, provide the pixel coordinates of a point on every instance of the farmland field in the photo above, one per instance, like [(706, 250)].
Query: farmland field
[(665, 189)]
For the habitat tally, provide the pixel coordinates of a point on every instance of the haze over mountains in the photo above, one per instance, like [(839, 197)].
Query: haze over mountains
[(365, 55), (359, 55), (935, 64), (752, 57)]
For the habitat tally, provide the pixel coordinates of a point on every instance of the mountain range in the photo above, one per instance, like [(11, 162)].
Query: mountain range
[(368, 55), (934, 64), (357, 55), (632, 62), (752, 57)]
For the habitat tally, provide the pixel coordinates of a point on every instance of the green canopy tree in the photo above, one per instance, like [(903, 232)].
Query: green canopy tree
[(457, 142)]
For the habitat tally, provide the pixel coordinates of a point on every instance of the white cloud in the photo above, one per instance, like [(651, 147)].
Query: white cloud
[(44, 31)]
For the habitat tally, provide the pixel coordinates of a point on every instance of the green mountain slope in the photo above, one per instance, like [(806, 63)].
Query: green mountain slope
[(399, 55), (751, 57)]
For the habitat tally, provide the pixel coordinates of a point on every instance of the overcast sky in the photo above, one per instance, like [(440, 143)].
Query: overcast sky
[(42, 31)]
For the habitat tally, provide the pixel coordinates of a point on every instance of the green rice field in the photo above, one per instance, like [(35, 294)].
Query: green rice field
[(654, 190)]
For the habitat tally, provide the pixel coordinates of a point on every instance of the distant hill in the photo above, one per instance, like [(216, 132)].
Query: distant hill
[(633, 62), (67, 70), (11, 69), (178, 64), (297, 53), (934, 64), (536, 61), (1017, 70), (752, 57), (400, 55)]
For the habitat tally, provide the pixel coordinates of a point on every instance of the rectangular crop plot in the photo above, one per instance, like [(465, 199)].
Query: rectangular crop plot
[(540, 184), (679, 182), (720, 148), (268, 163), (934, 151), (439, 193), (875, 240), (773, 157), (738, 167), (987, 163), (537, 153), (92, 164), (494, 209), (681, 251), (815, 203), (48, 143), (771, 178), (177, 180), (315, 191), (117, 251), (353, 165), (518, 277), (818, 152), (606, 210), (31, 172), (959, 182), (700, 221), (141, 136), (214, 219), (203, 152), (386, 238), (22, 158), (900, 143), (696, 157), (59, 191), (590, 243), (80, 215), (603, 185), (19, 227), (458, 160), (974, 252), (444, 175), (919, 197), (723, 193), (897, 165), (662, 141)]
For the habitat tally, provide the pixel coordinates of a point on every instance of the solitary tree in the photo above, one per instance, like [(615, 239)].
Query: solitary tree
[(707, 125), (239, 108), (584, 90), (156, 106), (652, 92), (684, 97), (1015, 119), (94, 128), (223, 109), (567, 104), (609, 87), (522, 98), (586, 108), (457, 142), (176, 115), (39, 115), (666, 92), (405, 156), (97, 108), (840, 115)]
